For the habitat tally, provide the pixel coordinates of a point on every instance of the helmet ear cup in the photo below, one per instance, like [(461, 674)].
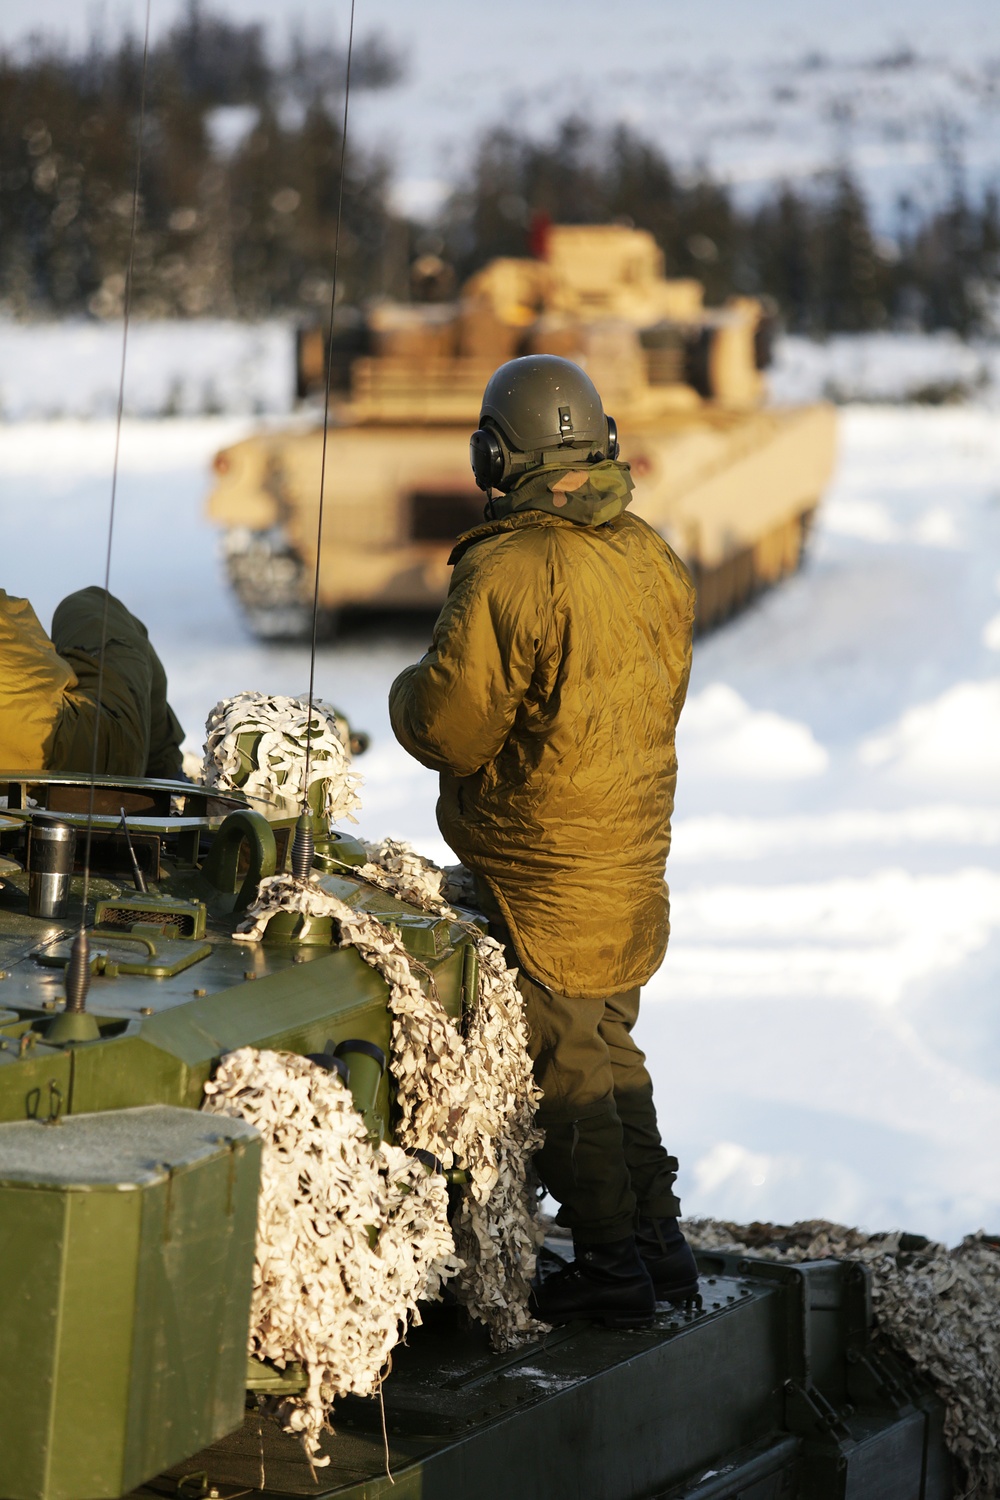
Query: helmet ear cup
[(614, 447), (487, 458)]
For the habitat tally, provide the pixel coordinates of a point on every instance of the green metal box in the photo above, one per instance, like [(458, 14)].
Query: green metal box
[(126, 1262)]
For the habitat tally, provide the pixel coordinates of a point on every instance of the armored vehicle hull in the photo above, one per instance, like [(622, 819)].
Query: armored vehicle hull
[(128, 1216), (773, 1390), (731, 484)]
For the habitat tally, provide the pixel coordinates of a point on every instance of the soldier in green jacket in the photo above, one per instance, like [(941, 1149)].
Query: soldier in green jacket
[(548, 702), (48, 691)]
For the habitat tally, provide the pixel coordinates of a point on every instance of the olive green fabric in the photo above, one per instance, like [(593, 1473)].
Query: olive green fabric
[(602, 1160), (48, 691), (34, 682), (139, 735), (548, 702), (591, 495)]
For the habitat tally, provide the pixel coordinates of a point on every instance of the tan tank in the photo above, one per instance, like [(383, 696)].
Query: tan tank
[(731, 483)]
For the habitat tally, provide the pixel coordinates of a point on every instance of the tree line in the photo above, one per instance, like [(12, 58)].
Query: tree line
[(813, 248), (240, 178), (240, 187)]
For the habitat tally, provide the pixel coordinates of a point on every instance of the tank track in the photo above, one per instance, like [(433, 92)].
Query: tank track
[(270, 583)]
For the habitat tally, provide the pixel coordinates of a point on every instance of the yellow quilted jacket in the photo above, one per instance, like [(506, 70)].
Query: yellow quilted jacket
[(548, 702), (34, 682)]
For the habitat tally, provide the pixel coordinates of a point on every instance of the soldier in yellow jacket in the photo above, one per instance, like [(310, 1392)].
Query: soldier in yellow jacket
[(48, 691), (548, 702)]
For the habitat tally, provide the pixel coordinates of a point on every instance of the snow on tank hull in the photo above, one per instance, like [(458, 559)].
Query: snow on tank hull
[(730, 483)]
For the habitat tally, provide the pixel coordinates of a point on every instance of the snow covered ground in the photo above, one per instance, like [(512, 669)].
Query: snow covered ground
[(927, 367), (213, 367), (175, 368), (824, 1033)]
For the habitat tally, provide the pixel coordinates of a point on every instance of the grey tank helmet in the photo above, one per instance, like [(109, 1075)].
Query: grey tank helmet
[(537, 410)]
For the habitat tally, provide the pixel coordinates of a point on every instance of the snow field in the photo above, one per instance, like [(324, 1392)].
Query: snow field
[(211, 367), (824, 1034), (884, 367), (175, 369)]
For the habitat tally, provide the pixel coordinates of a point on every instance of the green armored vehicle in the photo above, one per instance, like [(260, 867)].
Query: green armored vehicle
[(128, 1217)]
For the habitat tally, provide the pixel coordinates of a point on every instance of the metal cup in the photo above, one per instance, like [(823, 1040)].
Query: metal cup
[(51, 847)]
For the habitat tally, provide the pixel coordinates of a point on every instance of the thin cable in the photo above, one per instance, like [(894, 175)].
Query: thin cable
[(114, 472), (326, 411)]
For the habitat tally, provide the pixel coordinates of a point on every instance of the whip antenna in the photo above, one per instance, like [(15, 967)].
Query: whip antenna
[(302, 844), (78, 967)]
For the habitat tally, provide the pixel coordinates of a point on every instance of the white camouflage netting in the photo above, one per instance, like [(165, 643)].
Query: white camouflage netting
[(327, 1293), (940, 1307), (469, 1099), (496, 1229), (397, 867), (283, 727)]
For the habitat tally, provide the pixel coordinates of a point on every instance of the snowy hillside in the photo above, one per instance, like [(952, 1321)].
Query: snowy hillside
[(824, 1033), (903, 112), (758, 93)]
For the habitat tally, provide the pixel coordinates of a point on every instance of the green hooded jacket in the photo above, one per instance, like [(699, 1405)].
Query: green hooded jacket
[(35, 684), (48, 691), (548, 702)]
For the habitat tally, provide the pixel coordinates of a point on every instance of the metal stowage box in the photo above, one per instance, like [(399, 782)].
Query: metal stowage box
[(126, 1262)]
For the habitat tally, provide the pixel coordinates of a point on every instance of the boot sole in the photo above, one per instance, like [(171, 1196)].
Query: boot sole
[(680, 1297), (605, 1320), (642, 1320)]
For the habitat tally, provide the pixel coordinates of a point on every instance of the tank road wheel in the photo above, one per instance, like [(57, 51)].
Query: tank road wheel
[(725, 590), (271, 584), (291, 623)]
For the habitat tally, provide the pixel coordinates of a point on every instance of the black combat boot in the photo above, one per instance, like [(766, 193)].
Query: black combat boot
[(605, 1284), (667, 1257)]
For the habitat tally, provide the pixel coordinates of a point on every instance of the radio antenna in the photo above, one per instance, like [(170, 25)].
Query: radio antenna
[(78, 967), (302, 844)]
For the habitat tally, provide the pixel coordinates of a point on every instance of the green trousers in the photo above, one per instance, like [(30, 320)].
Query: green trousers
[(137, 731), (603, 1160)]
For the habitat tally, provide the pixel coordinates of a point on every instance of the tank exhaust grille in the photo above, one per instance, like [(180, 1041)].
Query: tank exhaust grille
[(182, 924), (174, 923)]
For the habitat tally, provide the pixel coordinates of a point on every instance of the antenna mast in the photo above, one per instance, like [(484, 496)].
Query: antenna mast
[(302, 844), (78, 966)]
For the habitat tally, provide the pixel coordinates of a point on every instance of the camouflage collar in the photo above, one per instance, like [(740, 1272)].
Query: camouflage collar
[(589, 495)]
